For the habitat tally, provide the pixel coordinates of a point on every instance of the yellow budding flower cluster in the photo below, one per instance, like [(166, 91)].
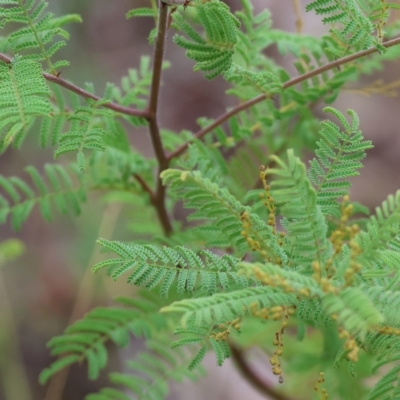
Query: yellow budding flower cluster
[(267, 199), (343, 234), (322, 392), (253, 243), (354, 266), (273, 280), (389, 330), (226, 330), (350, 345), (325, 283), (278, 341), (274, 313)]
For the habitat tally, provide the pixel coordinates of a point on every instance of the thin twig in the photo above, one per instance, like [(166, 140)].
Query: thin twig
[(145, 186), (243, 106), (252, 377), (297, 10), (83, 93)]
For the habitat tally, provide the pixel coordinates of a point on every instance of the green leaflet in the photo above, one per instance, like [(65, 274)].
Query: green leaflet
[(40, 29), (153, 370), (25, 96), (213, 54), (86, 132), (359, 20), (61, 193), (226, 306), (339, 155), (86, 338), (304, 221), (151, 266)]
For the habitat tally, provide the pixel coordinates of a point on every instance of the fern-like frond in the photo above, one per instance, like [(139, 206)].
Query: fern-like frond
[(357, 28), (62, 193), (86, 132), (54, 124), (381, 240), (353, 310), (153, 371), (339, 154), (213, 54), (40, 29), (265, 82), (86, 338), (307, 228), (222, 307), (151, 266), (388, 386), (141, 12), (24, 96), (217, 206)]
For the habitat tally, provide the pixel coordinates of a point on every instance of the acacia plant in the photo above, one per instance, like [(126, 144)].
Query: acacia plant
[(274, 253)]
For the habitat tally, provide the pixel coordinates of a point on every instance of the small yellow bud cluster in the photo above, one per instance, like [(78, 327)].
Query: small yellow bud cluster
[(350, 345), (267, 199), (284, 313), (275, 313), (354, 266), (322, 393), (325, 283), (253, 244), (225, 330), (383, 9), (389, 330), (339, 235), (273, 280)]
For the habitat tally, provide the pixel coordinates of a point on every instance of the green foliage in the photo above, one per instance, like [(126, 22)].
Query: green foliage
[(234, 242), (337, 151), (85, 132), (152, 266), (155, 368), (39, 30), (25, 96), (86, 339), (356, 17), (213, 54), (62, 193)]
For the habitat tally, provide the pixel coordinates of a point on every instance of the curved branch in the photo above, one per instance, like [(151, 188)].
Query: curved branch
[(252, 377), (83, 93), (294, 81)]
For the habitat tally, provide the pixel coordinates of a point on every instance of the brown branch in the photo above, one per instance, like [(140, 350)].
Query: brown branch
[(145, 186), (252, 377), (294, 81), (158, 200), (155, 87), (83, 93)]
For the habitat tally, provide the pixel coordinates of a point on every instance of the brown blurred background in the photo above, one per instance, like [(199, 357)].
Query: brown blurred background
[(39, 290)]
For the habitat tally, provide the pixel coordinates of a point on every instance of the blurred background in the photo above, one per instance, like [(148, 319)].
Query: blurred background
[(50, 282)]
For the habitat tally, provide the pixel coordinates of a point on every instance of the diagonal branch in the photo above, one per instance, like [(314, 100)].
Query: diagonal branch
[(294, 81), (83, 93), (253, 377)]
